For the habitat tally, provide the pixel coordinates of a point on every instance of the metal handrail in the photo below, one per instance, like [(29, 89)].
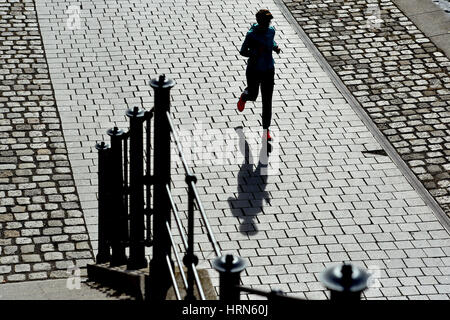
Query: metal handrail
[(194, 188), (177, 257), (197, 278), (177, 143), (172, 276), (177, 217), (210, 234), (199, 284)]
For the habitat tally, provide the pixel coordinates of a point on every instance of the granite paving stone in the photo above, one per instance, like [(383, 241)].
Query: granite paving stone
[(38, 193), (346, 203)]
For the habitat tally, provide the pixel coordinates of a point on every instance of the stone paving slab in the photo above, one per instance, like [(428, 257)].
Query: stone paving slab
[(422, 12), (42, 229), (416, 7), (398, 75), (328, 202)]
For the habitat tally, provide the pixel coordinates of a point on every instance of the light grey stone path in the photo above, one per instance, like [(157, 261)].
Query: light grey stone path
[(396, 74), (328, 203)]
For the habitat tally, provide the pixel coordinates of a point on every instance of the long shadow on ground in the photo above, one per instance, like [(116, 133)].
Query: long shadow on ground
[(251, 187)]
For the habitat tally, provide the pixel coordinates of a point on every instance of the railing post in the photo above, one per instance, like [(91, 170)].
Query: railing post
[(148, 176), (190, 258), (159, 276), (119, 220), (104, 198), (345, 282), (137, 258), (229, 268)]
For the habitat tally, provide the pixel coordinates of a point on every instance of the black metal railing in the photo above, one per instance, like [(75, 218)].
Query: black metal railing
[(190, 260), (136, 206), (128, 182), (122, 207), (345, 282)]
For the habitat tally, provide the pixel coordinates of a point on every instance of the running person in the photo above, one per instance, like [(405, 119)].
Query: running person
[(258, 46)]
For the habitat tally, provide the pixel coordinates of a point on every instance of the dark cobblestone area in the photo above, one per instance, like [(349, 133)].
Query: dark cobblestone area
[(398, 75), (42, 230)]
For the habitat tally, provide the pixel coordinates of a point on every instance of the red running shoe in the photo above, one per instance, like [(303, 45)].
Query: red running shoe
[(268, 136), (241, 104)]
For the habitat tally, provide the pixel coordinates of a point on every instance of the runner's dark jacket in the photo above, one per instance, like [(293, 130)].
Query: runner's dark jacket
[(258, 46)]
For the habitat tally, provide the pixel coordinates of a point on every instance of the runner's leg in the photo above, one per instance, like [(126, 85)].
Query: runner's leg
[(267, 85), (253, 81)]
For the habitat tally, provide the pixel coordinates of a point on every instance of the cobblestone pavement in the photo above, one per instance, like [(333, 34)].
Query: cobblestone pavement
[(329, 203), (42, 230), (397, 74)]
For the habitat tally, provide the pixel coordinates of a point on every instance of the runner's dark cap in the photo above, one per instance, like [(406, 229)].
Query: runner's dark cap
[(263, 14)]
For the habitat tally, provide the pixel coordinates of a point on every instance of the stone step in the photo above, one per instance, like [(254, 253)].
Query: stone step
[(60, 289), (132, 282)]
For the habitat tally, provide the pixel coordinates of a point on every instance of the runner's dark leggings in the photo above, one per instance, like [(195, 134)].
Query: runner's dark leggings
[(265, 79)]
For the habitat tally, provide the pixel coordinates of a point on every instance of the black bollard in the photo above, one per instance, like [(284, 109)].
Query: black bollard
[(137, 258), (104, 198), (159, 275), (119, 220), (345, 282), (229, 268)]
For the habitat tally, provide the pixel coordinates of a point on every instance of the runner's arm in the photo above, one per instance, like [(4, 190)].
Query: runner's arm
[(245, 49), (275, 45)]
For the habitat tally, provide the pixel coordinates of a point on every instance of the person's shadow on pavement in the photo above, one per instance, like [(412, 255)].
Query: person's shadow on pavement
[(251, 187)]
